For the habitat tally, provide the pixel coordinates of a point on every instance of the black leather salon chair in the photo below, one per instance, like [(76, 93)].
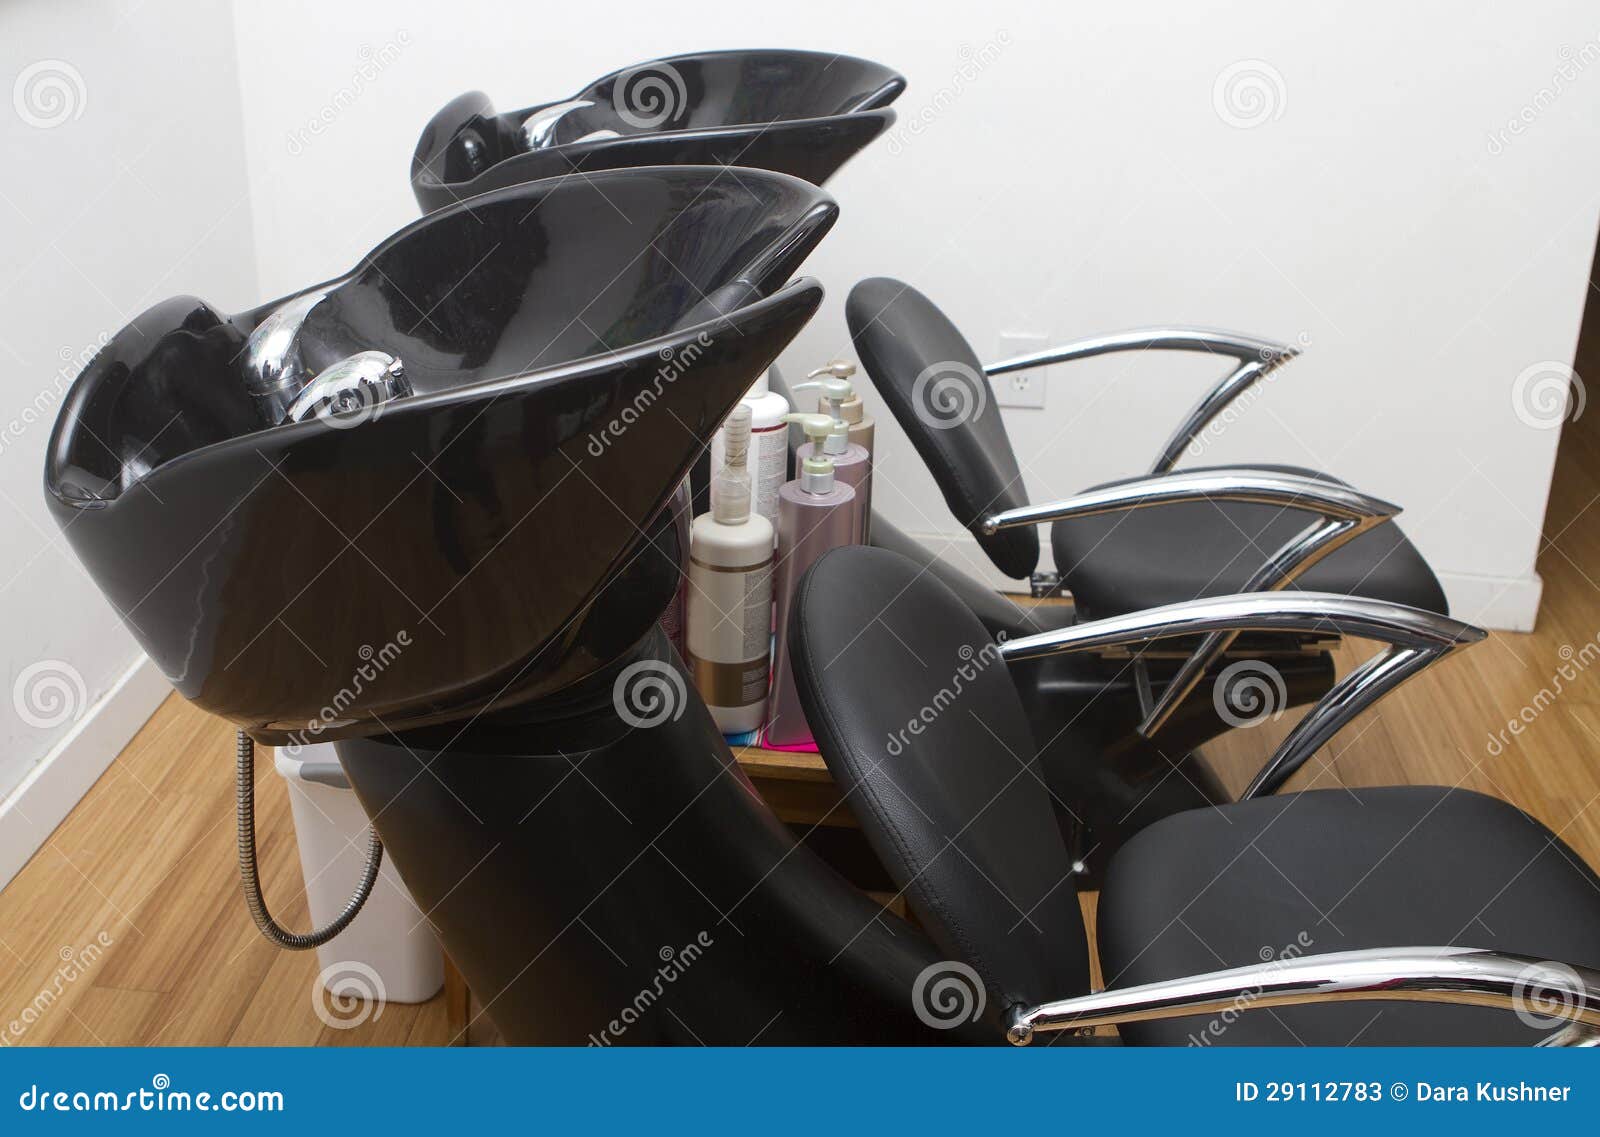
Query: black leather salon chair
[(1217, 531), (1120, 560), (1280, 919)]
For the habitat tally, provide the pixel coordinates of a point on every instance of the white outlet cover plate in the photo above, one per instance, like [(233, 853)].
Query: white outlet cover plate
[(1024, 389)]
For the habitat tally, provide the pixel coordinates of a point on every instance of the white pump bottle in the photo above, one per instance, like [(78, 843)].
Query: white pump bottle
[(730, 591)]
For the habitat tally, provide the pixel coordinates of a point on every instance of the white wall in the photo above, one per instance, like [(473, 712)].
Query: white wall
[(1061, 169), (1072, 173), (124, 183)]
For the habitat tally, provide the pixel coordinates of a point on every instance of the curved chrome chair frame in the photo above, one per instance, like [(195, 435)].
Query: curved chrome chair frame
[(1255, 359), (1342, 515), (1409, 974), (1415, 638)]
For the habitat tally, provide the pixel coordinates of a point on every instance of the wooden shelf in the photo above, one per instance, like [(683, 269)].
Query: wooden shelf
[(796, 785)]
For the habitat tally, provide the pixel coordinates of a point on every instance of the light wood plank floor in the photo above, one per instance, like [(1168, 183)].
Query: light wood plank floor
[(146, 862)]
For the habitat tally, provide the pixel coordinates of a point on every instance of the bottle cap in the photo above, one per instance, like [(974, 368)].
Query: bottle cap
[(736, 435), (816, 472)]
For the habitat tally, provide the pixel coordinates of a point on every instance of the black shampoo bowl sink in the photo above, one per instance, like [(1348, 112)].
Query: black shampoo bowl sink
[(797, 112), (433, 487)]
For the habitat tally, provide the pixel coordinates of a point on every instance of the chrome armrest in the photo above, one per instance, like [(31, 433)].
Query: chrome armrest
[(1343, 514), (1256, 359), (1241, 347), (1415, 639), (1566, 997)]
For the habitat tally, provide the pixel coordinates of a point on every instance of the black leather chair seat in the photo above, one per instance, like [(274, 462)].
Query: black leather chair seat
[(1137, 559), (1337, 870)]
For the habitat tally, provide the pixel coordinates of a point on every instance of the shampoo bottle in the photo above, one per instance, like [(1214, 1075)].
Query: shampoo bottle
[(852, 464), (769, 454), (816, 513), (730, 592)]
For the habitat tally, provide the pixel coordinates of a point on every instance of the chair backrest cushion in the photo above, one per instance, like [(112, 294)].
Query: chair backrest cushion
[(934, 385), (921, 726)]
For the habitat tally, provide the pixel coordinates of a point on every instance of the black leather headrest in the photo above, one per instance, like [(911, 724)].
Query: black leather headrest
[(932, 381), (921, 726)]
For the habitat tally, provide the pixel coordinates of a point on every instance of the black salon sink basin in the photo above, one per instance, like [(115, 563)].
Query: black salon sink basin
[(468, 528), (797, 112)]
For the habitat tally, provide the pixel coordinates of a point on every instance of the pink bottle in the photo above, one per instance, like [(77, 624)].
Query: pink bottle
[(852, 464), (816, 513)]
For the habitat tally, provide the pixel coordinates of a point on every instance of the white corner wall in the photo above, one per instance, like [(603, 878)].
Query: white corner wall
[(1346, 178), (126, 184)]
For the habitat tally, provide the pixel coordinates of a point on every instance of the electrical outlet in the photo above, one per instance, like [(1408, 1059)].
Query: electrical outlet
[(1022, 388)]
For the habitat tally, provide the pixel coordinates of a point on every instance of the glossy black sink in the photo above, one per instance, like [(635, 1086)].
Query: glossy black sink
[(476, 520), (797, 112)]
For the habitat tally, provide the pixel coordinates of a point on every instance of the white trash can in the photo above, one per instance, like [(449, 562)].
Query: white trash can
[(390, 938)]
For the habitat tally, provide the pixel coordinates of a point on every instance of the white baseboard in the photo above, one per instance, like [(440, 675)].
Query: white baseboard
[(58, 782), (1506, 603), (1509, 604)]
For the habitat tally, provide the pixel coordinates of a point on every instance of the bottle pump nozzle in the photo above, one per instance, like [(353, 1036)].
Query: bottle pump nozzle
[(816, 472), (730, 490), (836, 369), (834, 390)]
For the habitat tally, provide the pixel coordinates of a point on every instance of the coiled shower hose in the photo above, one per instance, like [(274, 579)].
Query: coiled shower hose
[(249, 870)]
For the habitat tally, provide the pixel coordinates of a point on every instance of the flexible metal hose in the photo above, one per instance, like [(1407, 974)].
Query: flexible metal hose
[(249, 870)]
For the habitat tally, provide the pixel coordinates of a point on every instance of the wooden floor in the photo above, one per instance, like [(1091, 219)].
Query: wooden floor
[(145, 863)]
